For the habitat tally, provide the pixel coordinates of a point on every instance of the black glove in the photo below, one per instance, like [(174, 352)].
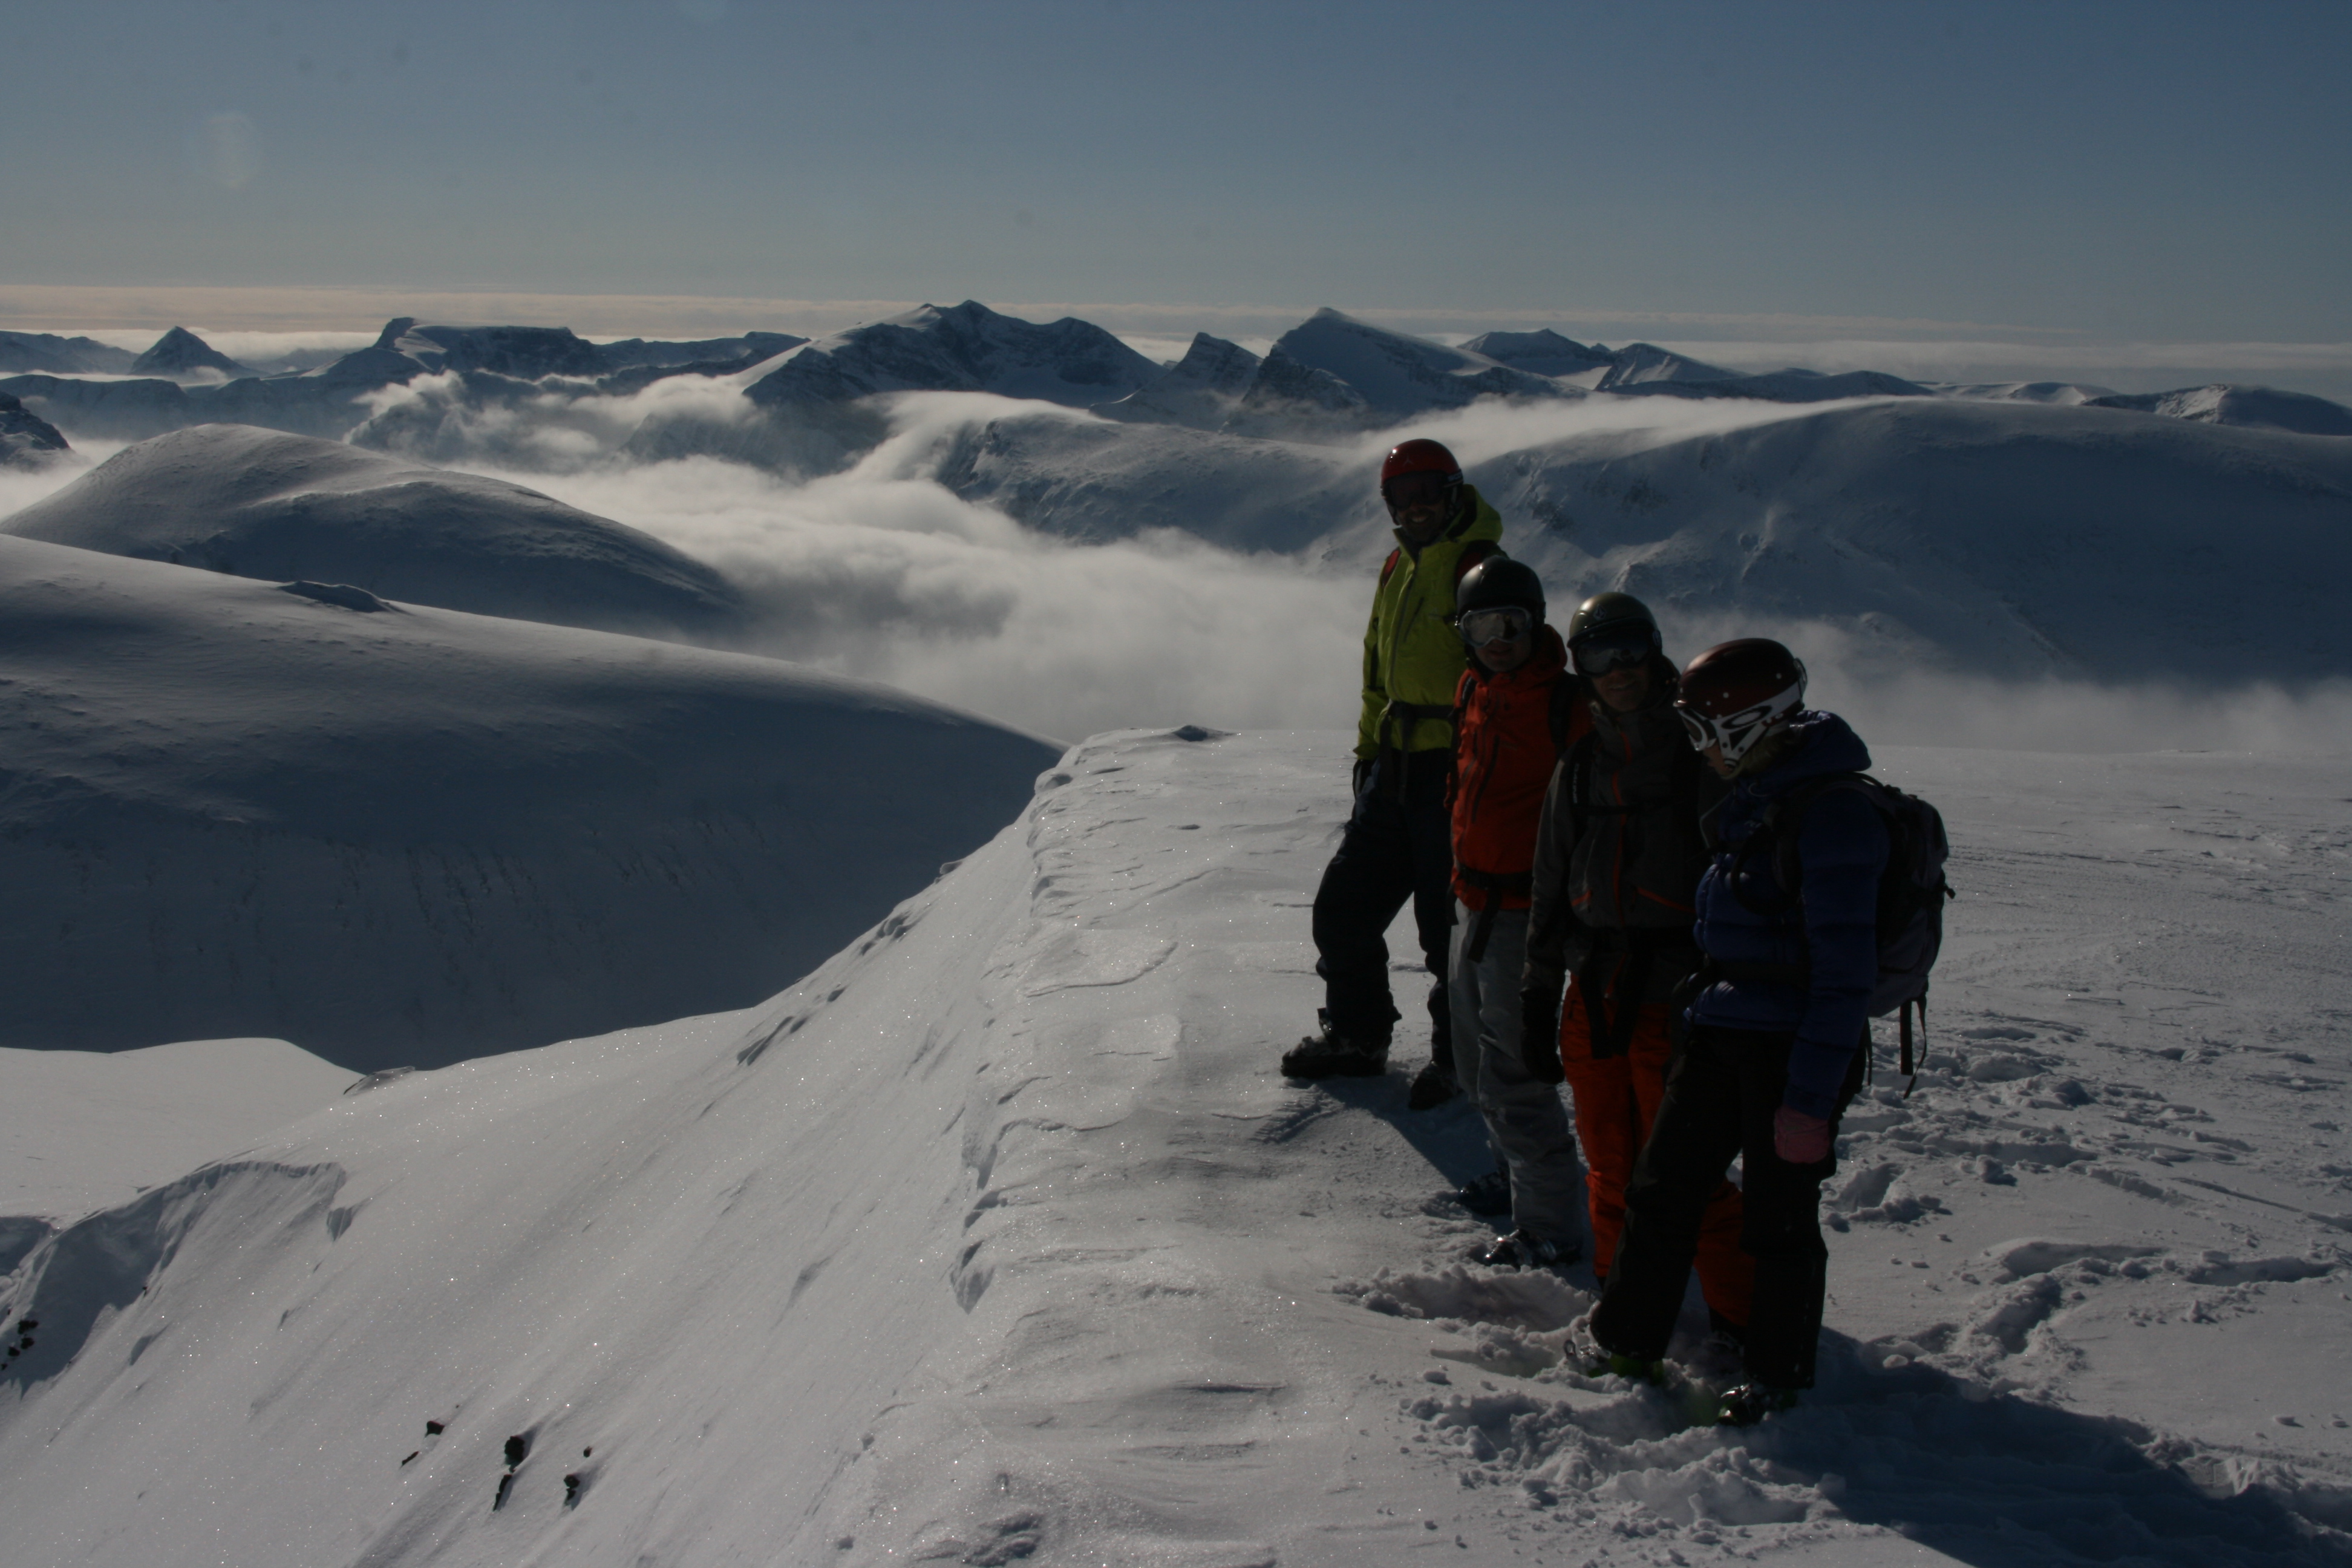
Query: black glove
[(1539, 1004), (1358, 778)]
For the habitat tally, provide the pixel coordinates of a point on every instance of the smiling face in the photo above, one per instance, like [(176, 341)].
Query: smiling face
[(1625, 688), (1422, 504)]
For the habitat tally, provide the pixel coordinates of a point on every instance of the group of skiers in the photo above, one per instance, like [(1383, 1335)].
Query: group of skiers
[(1628, 878)]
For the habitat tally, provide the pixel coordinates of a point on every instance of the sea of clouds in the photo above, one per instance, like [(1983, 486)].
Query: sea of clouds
[(880, 571)]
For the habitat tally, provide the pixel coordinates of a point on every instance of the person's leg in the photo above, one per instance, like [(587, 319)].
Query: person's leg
[(1690, 1146), (1368, 880), (1465, 997), (1522, 1110), (1607, 1125), (1727, 1274), (1429, 844), (1781, 1229)]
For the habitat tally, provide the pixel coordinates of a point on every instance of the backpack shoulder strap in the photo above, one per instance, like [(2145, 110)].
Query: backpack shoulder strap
[(1785, 819), (1388, 567), (1474, 552)]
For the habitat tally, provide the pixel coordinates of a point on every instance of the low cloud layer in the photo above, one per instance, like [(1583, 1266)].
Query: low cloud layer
[(881, 572)]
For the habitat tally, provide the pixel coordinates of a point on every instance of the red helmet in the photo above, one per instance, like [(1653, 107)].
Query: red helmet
[(1420, 458), (1736, 693)]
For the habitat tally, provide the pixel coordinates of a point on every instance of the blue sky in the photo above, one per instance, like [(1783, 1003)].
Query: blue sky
[(2147, 171)]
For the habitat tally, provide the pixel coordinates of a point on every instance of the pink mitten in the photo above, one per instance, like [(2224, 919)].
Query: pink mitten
[(1799, 1139)]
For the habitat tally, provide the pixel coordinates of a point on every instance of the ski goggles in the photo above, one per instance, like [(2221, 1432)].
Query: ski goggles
[(1602, 654), (1419, 489), (1734, 732), (1507, 623)]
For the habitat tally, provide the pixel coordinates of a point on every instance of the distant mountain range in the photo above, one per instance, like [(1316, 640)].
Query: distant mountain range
[(1331, 378)]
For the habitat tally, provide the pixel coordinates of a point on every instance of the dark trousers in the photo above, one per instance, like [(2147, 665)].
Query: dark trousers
[(1721, 1092), (1398, 844)]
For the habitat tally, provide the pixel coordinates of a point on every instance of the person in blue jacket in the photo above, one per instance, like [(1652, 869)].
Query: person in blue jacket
[(1776, 1041)]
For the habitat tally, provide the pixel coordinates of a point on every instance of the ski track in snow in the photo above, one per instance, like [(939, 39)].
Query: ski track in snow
[(999, 1239)]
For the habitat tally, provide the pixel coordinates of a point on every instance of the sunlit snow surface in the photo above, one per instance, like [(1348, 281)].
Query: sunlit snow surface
[(999, 1239)]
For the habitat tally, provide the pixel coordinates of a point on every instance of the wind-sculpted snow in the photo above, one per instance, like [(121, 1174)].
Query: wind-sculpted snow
[(400, 835), (997, 1238), (230, 497)]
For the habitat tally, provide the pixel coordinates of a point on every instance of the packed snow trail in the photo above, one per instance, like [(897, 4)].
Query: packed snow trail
[(998, 1238)]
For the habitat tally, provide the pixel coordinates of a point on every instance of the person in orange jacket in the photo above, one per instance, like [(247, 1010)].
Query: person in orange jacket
[(1513, 708), (1613, 886)]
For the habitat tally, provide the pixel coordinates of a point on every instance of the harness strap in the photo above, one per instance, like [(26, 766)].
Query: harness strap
[(1496, 884), (1612, 980), (1407, 717)]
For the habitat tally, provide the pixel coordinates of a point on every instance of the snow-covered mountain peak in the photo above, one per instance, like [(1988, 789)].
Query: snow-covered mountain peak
[(27, 440), (524, 353), (1398, 375), (2222, 403), (180, 352), (959, 348), (1543, 352)]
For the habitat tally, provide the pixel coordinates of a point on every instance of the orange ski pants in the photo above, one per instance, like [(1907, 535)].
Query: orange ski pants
[(1616, 1100)]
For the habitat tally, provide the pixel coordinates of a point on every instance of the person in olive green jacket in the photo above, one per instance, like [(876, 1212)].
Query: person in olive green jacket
[(1397, 844)]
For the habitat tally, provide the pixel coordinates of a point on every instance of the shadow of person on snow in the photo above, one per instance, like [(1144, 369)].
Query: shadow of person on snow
[(2002, 1481)]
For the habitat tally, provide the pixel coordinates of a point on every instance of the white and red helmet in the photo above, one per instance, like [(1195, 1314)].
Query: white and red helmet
[(1736, 693)]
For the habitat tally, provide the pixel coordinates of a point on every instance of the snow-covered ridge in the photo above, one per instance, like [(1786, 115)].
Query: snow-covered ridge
[(399, 835), (998, 1238)]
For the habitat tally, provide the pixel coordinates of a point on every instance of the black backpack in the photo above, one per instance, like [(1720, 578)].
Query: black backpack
[(1912, 891)]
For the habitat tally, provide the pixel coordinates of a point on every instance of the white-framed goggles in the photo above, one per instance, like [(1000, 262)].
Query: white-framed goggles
[(1737, 734), (1505, 623)]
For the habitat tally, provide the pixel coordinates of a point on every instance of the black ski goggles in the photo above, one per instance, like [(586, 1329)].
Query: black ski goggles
[(1602, 655), (1507, 624), (1419, 489)]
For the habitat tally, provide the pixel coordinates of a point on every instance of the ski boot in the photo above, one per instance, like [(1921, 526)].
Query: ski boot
[(1524, 1249), (1432, 1086), (1327, 1053), (1486, 1196), (1751, 1401), (1592, 1359)]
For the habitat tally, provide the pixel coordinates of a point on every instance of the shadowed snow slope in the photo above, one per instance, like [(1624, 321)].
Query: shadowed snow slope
[(261, 503), (406, 835), (997, 1238)]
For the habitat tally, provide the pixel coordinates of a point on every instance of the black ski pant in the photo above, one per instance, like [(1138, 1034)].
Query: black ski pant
[(1722, 1089), (1398, 844)]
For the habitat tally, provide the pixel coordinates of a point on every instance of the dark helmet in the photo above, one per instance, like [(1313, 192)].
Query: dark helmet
[(1499, 583), (1736, 693), (1613, 618), (1421, 457)]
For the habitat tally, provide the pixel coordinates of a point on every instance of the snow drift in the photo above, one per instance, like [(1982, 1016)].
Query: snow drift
[(399, 835), (260, 504)]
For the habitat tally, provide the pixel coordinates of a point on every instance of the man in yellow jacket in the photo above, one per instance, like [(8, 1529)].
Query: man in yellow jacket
[(1397, 844)]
